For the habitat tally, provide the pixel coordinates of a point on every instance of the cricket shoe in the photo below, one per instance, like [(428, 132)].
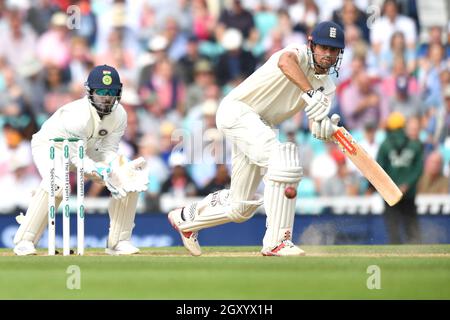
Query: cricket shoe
[(124, 247), (24, 248), (190, 239), (285, 248)]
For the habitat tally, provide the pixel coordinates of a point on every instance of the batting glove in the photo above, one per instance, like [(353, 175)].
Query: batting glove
[(324, 130), (318, 105)]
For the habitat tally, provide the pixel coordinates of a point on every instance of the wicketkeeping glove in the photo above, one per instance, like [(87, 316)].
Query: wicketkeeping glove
[(111, 182), (130, 175)]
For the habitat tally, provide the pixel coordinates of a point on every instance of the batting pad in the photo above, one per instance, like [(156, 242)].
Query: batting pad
[(121, 214), (33, 224), (215, 209), (284, 170)]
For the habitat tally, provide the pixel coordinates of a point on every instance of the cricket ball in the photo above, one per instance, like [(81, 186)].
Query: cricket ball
[(290, 192)]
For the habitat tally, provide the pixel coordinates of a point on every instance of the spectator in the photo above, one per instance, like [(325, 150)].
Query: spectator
[(157, 51), (406, 104), (397, 48), (433, 180), (389, 85), (117, 18), (12, 95), (361, 101), (266, 20), (356, 49), (205, 143), (32, 83), (167, 141), (57, 89), (344, 182), (351, 15), (195, 115), (235, 63), (146, 24), (235, 17), (304, 15), (413, 128), (18, 177), (40, 13), (391, 21), (128, 146), (178, 10), (402, 159), (18, 39), (203, 77), (88, 22), (164, 92), (429, 75), (204, 22), (157, 169), (53, 46), (81, 60), (118, 55), (435, 36), (323, 166), (282, 35), (438, 127), (186, 64), (179, 183), (177, 40), (220, 181)]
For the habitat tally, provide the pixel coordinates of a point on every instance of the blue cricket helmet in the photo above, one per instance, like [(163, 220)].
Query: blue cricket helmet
[(104, 77), (328, 33)]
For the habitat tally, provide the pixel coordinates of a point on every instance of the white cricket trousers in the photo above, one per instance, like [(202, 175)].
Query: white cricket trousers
[(252, 142)]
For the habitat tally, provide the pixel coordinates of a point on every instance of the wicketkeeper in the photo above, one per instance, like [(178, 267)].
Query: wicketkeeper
[(287, 83), (100, 121)]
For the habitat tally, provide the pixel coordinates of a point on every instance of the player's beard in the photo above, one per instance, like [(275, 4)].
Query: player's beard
[(104, 105), (324, 62)]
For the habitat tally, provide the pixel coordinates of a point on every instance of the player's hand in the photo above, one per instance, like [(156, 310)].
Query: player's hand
[(324, 130), (318, 105), (111, 181)]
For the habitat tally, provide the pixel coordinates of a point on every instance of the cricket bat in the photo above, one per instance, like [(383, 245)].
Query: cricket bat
[(368, 166)]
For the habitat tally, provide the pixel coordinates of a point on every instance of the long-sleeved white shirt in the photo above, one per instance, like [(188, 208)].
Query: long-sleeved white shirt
[(272, 95), (79, 119)]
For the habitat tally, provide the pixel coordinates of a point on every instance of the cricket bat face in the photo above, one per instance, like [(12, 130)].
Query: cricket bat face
[(368, 166)]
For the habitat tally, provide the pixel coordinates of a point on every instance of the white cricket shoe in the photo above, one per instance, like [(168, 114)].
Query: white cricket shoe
[(285, 248), (190, 240), (122, 248), (24, 248)]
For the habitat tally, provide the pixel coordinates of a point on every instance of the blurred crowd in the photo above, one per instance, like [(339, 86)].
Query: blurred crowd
[(178, 58)]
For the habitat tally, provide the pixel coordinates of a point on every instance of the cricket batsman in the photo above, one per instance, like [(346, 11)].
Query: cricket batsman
[(100, 121), (293, 79)]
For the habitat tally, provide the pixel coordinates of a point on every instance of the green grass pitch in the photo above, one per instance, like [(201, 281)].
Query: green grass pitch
[(326, 272)]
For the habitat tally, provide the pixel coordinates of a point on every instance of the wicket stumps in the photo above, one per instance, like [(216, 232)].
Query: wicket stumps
[(66, 196)]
